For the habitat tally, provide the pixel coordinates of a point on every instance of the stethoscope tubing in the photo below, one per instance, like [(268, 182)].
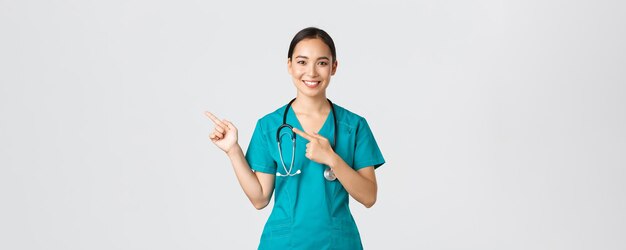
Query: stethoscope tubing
[(328, 172)]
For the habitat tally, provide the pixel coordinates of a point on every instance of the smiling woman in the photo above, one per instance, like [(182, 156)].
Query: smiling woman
[(333, 156), (315, 56), (312, 66)]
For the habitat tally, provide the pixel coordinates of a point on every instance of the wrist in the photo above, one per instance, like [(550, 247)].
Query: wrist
[(234, 150), (334, 160)]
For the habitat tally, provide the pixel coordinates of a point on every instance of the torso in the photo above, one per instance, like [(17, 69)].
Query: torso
[(309, 212)]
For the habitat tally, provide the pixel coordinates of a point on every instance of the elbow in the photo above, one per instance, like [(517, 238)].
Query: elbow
[(370, 200), (370, 203), (260, 204)]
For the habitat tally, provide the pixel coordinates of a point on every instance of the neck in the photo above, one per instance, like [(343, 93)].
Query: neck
[(311, 105)]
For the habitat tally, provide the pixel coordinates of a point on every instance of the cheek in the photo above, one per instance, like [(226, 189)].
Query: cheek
[(297, 72), (325, 71)]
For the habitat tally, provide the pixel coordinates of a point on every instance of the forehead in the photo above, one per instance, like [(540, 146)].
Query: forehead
[(312, 47)]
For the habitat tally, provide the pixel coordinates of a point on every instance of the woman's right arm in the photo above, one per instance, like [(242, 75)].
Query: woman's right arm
[(256, 185)]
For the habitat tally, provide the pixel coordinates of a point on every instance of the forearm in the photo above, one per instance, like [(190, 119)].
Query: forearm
[(362, 189), (248, 180)]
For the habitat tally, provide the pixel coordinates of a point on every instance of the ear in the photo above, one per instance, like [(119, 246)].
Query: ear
[(332, 72), (289, 65)]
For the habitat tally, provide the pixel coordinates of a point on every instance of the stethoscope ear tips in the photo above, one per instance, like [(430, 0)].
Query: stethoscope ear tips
[(297, 172)]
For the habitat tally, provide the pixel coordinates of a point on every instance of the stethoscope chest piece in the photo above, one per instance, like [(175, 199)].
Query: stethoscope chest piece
[(329, 174)]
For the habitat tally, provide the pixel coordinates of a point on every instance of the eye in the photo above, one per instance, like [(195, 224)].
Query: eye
[(301, 62), (323, 63)]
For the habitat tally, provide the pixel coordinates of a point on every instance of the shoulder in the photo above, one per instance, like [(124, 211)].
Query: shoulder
[(348, 118), (271, 119)]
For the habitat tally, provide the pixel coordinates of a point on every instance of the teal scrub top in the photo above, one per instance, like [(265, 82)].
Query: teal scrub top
[(310, 212)]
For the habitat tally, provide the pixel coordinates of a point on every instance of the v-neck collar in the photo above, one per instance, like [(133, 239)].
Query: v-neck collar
[(296, 124)]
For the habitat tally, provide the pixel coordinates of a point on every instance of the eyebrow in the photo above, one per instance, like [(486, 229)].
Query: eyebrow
[(319, 58)]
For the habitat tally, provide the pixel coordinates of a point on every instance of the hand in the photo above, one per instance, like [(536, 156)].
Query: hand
[(224, 135), (318, 149)]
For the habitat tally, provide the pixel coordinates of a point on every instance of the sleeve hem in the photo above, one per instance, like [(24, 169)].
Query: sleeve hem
[(258, 168), (375, 163)]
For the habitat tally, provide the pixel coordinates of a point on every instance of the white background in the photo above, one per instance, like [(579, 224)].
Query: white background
[(502, 122)]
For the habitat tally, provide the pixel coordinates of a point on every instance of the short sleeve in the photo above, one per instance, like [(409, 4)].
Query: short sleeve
[(366, 152), (258, 154)]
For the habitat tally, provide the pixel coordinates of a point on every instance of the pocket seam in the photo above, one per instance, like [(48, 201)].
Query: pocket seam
[(280, 228)]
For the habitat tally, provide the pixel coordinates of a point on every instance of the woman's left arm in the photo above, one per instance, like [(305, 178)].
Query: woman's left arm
[(361, 184)]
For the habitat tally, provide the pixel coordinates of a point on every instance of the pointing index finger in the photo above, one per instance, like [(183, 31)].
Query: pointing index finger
[(215, 119), (304, 135)]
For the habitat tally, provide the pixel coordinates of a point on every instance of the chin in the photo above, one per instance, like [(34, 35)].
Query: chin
[(309, 93)]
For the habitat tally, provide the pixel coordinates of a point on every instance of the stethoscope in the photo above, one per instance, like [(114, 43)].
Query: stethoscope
[(328, 172)]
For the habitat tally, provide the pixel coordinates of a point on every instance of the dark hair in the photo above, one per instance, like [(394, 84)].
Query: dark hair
[(312, 32)]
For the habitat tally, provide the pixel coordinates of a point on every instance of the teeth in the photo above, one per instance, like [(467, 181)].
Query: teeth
[(308, 83)]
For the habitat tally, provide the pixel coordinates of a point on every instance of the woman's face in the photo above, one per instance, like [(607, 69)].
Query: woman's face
[(311, 67)]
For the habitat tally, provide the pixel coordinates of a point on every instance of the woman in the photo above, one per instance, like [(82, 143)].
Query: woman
[(333, 153)]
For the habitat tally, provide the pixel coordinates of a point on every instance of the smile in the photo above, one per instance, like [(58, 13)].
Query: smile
[(311, 84)]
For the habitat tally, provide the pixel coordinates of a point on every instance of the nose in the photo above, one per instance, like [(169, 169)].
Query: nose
[(311, 70)]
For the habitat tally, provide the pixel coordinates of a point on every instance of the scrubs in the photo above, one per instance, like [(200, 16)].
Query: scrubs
[(310, 212)]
